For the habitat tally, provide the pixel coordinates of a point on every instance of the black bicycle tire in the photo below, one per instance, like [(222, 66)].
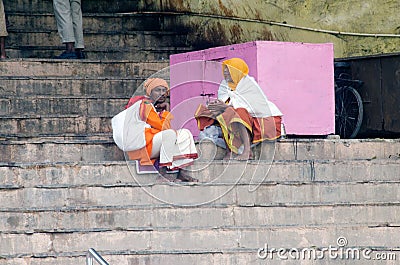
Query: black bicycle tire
[(360, 115)]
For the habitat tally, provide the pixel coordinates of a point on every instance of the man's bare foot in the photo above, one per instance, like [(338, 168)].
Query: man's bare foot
[(228, 155), (242, 157), (185, 177), (246, 155), (164, 177)]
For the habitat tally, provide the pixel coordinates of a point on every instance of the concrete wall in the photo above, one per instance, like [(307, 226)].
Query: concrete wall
[(356, 16)]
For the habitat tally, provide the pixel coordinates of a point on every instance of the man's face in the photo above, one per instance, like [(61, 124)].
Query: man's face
[(227, 75), (158, 94)]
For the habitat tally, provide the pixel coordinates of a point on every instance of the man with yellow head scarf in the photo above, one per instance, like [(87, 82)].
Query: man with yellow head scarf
[(143, 130), (242, 111)]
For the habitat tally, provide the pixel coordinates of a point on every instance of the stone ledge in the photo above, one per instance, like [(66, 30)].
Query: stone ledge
[(194, 195), (313, 149), (165, 218), (79, 68), (195, 242), (116, 174)]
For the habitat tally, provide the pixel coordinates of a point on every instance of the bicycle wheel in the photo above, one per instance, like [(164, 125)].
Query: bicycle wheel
[(348, 112)]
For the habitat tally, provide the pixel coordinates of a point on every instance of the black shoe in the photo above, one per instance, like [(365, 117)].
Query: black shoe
[(80, 54), (67, 55)]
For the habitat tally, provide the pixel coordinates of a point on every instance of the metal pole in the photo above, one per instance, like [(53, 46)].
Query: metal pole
[(92, 254)]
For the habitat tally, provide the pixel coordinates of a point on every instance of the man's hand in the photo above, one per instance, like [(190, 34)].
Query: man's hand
[(217, 107), (162, 106)]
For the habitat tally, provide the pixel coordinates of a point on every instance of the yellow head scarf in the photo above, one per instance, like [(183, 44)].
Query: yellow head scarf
[(237, 68)]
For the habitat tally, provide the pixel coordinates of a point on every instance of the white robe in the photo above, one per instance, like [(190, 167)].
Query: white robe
[(249, 95)]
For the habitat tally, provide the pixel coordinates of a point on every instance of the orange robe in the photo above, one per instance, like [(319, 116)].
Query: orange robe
[(260, 128), (158, 122)]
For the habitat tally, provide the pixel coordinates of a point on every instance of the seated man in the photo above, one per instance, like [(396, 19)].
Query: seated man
[(242, 110), (144, 131)]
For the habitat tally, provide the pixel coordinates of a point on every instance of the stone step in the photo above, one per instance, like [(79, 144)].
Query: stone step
[(199, 195), (108, 54), (24, 6), (88, 6), (93, 23), (51, 68), (44, 105), (111, 87), (28, 126), (58, 149), (66, 187), (82, 174), (239, 256), (296, 171), (200, 242), (107, 36), (106, 41), (314, 149), (40, 211), (70, 220)]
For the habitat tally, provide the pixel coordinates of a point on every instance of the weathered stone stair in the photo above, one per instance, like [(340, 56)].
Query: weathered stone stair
[(65, 187), (113, 31), (52, 97), (53, 212), (310, 193)]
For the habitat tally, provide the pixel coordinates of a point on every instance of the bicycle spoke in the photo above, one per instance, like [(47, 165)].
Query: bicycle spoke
[(348, 108)]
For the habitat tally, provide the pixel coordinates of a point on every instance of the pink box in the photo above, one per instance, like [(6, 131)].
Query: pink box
[(297, 77)]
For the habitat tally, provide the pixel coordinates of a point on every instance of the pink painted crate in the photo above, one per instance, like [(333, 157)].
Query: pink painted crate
[(297, 77)]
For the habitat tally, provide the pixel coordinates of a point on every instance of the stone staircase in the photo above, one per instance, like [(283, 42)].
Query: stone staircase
[(65, 187), (59, 202), (114, 31)]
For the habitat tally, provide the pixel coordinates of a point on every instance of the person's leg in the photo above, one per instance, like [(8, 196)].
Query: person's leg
[(78, 29), (3, 31), (245, 136), (185, 177), (228, 154), (3, 48), (70, 47), (186, 149), (62, 13), (76, 13), (166, 141), (236, 125), (169, 144), (157, 143), (160, 143), (184, 154)]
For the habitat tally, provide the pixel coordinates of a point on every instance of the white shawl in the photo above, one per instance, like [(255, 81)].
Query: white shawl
[(128, 129), (248, 95)]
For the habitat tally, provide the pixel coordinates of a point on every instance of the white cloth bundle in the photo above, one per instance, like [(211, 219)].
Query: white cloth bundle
[(250, 96)]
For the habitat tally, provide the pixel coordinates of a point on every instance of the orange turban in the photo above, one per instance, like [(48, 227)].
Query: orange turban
[(237, 68), (152, 83)]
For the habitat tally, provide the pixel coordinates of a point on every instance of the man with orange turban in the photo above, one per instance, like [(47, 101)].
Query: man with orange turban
[(144, 131), (242, 111)]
